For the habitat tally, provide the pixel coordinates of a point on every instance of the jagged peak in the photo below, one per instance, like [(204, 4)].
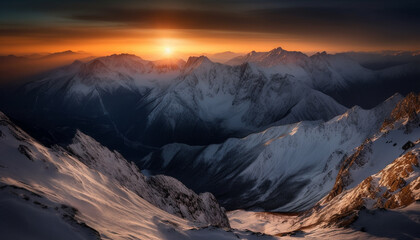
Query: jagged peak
[(17, 132), (389, 103), (93, 153), (320, 54), (194, 62), (122, 58), (95, 64), (3, 116), (252, 53), (123, 55), (277, 50), (79, 134), (396, 97), (80, 137)]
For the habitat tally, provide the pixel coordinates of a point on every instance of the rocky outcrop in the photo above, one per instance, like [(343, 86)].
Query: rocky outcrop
[(379, 174), (400, 192), (396, 186), (406, 110), (343, 177)]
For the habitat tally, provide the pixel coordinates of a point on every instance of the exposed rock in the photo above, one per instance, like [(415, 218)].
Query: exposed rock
[(395, 186), (408, 145), (25, 151), (376, 175), (407, 109), (343, 177)]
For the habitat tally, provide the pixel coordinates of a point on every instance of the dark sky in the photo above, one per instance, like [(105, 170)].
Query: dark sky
[(193, 25)]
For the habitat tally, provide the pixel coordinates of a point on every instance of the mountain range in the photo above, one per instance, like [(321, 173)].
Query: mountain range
[(86, 191), (142, 105), (119, 147)]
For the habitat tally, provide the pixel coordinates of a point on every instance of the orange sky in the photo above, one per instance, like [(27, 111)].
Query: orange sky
[(154, 44), (191, 27)]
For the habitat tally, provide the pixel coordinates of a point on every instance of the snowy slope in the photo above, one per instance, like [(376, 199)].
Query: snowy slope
[(164, 192), (239, 98), (383, 173), (284, 168), (82, 192), (147, 104), (27, 215), (197, 102), (142, 105), (376, 191), (403, 223)]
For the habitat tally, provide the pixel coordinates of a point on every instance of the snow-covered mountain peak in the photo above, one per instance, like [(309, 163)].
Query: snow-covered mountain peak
[(252, 53), (3, 116), (122, 58), (88, 149), (95, 67), (127, 63), (277, 50), (320, 54), (366, 118), (90, 79), (277, 56), (194, 62), (125, 55)]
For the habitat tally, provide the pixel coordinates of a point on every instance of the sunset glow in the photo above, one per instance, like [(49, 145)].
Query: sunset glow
[(168, 50), (144, 29), (209, 119), (149, 43)]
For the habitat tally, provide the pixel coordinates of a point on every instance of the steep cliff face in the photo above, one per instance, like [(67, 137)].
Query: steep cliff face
[(382, 173)]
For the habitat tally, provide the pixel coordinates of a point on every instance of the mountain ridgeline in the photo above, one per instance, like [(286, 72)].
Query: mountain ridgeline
[(323, 138), (137, 106)]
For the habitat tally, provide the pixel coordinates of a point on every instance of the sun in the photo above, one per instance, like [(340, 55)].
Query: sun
[(167, 50)]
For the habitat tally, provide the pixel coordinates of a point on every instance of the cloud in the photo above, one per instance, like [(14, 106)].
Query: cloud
[(337, 23), (359, 22)]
